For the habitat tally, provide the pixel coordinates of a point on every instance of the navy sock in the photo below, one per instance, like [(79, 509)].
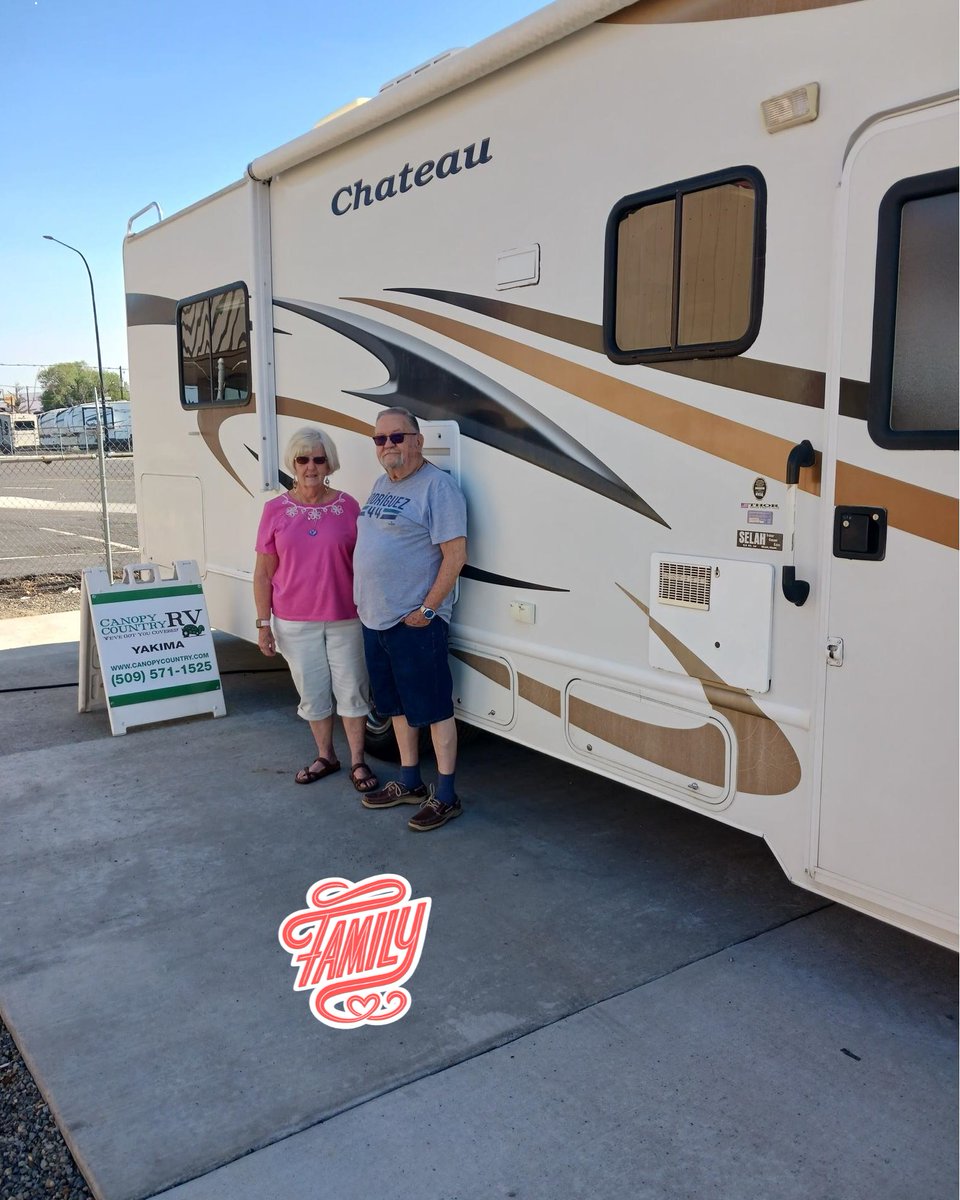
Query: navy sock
[(410, 777), (445, 793)]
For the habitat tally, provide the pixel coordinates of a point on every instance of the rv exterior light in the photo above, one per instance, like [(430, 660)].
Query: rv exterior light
[(795, 107)]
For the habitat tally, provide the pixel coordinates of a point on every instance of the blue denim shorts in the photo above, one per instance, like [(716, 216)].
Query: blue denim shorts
[(410, 672)]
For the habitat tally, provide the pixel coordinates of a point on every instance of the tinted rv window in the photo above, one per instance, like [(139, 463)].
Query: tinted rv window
[(213, 332), (913, 378), (684, 269)]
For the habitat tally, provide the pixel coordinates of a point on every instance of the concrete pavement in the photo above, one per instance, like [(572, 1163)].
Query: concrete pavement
[(615, 997)]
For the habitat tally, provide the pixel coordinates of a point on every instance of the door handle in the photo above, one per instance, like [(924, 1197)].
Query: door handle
[(802, 455)]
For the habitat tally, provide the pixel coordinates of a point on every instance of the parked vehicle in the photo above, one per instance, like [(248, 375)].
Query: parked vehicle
[(18, 433), (686, 287), (75, 428)]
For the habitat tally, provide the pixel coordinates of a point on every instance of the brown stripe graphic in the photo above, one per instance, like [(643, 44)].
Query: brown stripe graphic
[(682, 12), (913, 509), (795, 385), (759, 452), (490, 667)]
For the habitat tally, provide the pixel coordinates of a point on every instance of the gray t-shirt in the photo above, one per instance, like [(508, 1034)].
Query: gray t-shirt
[(398, 554)]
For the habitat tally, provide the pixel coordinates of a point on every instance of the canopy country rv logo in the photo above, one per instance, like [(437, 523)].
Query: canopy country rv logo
[(355, 946), (354, 195)]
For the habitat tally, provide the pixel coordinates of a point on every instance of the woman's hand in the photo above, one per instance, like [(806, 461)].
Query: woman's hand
[(265, 641)]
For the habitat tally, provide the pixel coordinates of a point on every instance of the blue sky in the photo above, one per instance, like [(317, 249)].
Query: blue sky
[(103, 111)]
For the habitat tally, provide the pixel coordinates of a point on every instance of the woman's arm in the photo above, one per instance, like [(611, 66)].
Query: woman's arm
[(263, 574)]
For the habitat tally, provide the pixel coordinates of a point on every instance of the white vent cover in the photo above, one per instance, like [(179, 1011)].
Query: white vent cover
[(685, 584), (712, 618)]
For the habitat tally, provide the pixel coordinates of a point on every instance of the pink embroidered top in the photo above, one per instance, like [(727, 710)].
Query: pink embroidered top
[(314, 545)]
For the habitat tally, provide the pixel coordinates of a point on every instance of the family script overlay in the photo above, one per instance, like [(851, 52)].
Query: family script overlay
[(355, 947)]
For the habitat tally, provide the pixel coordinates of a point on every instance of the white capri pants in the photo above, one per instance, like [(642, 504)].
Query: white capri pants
[(325, 660)]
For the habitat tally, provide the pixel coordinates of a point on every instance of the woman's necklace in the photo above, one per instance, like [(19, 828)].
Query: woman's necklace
[(324, 495)]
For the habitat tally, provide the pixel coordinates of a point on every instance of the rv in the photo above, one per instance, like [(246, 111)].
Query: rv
[(674, 285), (75, 428), (18, 433)]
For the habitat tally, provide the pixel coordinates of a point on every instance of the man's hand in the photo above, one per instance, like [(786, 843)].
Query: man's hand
[(416, 619)]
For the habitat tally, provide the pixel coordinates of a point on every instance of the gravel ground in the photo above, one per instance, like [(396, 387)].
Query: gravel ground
[(36, 595), (34, 1157)]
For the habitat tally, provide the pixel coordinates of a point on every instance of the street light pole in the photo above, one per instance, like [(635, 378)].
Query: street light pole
[(102, 426)]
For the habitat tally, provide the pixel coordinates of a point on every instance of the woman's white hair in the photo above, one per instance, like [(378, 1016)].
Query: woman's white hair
[(310, 440)]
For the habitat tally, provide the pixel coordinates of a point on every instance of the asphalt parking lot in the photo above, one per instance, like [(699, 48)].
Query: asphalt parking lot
[(51, 514), (615, 997)]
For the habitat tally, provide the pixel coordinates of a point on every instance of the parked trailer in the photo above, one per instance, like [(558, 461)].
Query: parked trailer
[(683, 277), (75, 428), (18, 433)]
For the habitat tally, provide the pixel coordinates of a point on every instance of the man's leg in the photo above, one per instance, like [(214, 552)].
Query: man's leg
[(408, 740), (444, 737)]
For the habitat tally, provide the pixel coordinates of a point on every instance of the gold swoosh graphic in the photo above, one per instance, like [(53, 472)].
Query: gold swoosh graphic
[(760, 453), (924, 513), (209, 420), (794, 385)]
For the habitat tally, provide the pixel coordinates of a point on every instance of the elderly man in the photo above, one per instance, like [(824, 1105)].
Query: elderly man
[(411, 546)]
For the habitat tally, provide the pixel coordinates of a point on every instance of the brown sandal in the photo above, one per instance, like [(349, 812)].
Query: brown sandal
[(369, 782), (307, 775)]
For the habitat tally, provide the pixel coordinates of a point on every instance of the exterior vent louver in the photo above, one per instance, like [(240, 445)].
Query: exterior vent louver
[(685, 584)]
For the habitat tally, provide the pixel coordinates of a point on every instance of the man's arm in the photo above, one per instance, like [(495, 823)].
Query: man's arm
[(454, 559)]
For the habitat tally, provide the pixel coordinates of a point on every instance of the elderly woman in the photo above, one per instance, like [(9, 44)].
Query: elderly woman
[(303, 588)]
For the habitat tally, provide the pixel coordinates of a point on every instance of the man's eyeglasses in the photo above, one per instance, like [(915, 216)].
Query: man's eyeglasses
[(381, 439), (302, 459)]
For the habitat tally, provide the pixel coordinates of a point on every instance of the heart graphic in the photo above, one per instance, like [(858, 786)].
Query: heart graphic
[(362, 1007), (395, 1004)]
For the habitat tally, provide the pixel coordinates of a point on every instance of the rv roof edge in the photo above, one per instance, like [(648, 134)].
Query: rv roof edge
[(540, 29)]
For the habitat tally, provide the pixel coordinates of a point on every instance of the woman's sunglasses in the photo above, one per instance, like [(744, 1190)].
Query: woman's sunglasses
[(302, 459), (381, 439)]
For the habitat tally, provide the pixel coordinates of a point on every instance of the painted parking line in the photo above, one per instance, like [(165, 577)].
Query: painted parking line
[(86, 537), (64, 505)]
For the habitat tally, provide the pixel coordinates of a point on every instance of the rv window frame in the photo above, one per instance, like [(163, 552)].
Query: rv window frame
[(676, 191), (885, 303), (181, 304)]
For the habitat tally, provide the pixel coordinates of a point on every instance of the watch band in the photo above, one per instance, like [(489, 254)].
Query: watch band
[(429, 613), (263, 623)]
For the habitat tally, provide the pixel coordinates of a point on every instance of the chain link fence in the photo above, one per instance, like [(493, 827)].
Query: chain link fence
[(51, 513)]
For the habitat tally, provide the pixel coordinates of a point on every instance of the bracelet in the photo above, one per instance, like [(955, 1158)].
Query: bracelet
[(263, 623)]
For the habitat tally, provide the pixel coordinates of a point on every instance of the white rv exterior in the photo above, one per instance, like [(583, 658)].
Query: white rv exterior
[(703, 370), (18, 433), (75, 428)]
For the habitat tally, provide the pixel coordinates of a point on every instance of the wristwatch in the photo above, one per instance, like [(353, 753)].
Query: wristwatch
[(428, 613), (263, 622)]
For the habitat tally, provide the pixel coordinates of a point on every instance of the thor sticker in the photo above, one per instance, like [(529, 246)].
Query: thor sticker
[(355, 947)]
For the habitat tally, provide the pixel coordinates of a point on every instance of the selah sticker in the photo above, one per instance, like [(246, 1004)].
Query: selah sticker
[(355, 947), (759, 539)]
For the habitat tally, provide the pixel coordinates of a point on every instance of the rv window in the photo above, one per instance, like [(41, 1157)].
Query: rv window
[(213, 335), (913, 399), (684, 269)]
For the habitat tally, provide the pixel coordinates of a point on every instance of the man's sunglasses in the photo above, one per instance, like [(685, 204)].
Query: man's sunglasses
[(302, 459), (381, 439)]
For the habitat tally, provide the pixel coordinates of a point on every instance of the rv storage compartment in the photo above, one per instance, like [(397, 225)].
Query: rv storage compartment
[(688, 753)]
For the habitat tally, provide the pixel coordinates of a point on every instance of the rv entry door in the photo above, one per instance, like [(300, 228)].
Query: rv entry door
[(886, 829)]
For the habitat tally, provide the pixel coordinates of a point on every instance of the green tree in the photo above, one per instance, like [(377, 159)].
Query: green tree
[(64, 384)]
